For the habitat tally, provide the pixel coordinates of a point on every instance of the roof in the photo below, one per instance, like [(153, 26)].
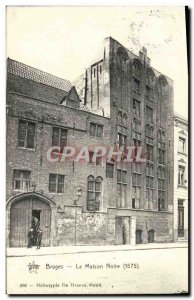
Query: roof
[(83, 107), (25, 71)]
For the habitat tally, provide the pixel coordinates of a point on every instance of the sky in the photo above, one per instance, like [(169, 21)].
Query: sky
[(64, 40)]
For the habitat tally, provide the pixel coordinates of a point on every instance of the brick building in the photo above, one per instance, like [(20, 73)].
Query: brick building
[(181, 178), (119, 100)]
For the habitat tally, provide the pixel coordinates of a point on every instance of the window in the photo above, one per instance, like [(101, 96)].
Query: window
[(149, 114), (150, 77), (161, 188), (182, 145), (161, 139), (56, 183), (161, 197), (149, 182), (96, 130), (125, 120), (137, 168), (136, 194), (149, 93), (161, 156), (137, 68), (135, 203), (109, 170), (149, 130), (161, 135), (136, 179), (181, 176), (94, 190), (136, 107), (122, 139), (149, 186), (136, 185), (119, 117), (98, 161), (181, 202), (150, 152), (149, 170), (121, 187), (26, 133), (136, 85), (149, 198), (59, 138), (21, 180), (137, 125), (136, 143), (161, 178), (121, 176)]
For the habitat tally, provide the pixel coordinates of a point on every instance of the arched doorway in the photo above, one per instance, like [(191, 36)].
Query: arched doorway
[(138, 236), (26, 211)]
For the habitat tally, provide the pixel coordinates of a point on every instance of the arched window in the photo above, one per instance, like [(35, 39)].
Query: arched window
[(122, 53), (150, 77), (125, 120), (94, 190), (151, 234), (119, 117), (138, 236), (137, 68), (149, 130), (136, 125), (122, 58), (162, 80)]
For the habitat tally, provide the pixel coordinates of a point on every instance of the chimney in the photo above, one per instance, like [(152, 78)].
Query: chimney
[(143, 56)]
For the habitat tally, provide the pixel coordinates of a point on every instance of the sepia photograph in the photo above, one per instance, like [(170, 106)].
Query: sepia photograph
[(97, 150)]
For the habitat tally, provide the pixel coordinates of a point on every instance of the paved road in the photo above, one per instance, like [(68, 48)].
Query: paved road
[(114, 272)]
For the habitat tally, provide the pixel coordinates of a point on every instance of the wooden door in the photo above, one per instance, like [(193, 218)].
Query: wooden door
[(21, 220)]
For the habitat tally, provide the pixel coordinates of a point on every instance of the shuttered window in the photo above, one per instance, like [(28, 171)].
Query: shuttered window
[(26, 134)]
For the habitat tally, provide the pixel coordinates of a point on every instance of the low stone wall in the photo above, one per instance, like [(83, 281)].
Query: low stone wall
[(75, 227)]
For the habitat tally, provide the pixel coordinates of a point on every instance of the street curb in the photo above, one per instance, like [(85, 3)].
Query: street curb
[(98, 250)]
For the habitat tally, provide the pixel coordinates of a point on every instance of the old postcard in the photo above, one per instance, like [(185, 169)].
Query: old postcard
[(97, 150)]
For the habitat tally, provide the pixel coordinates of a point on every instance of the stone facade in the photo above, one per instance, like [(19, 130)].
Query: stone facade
[(132, 103), (180, 178)]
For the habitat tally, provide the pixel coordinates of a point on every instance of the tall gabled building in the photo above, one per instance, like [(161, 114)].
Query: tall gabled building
[(120, 100)]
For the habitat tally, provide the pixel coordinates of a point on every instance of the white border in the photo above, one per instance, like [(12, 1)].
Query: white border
[(3, 5)]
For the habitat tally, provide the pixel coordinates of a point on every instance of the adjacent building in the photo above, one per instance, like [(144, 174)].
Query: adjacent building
[(180, 178), (119, 100)]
